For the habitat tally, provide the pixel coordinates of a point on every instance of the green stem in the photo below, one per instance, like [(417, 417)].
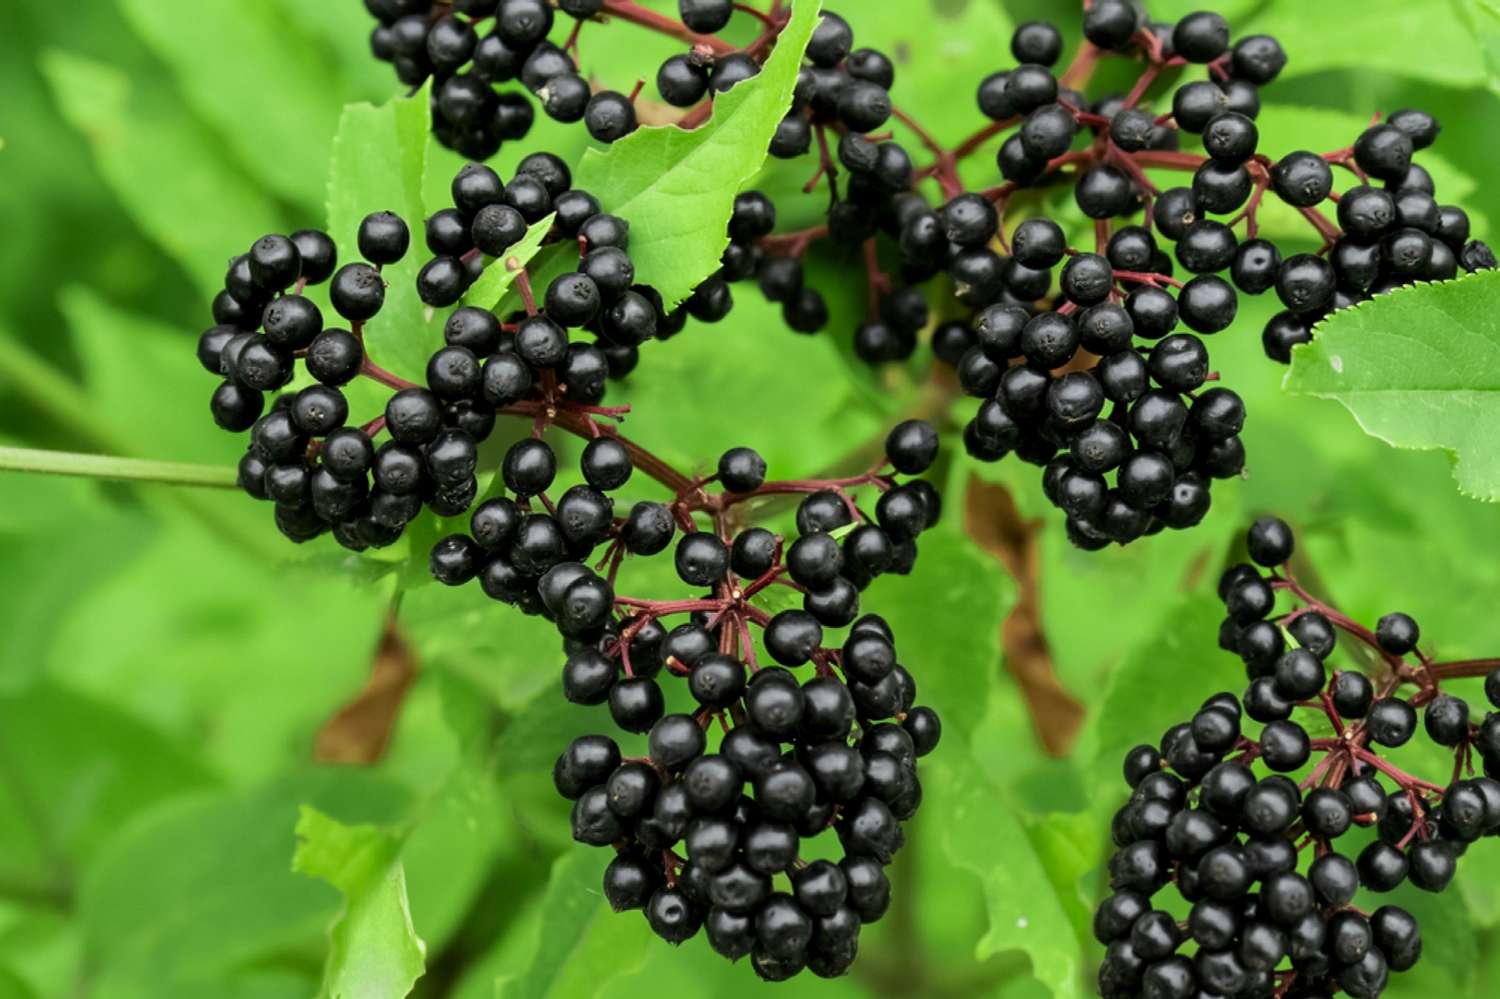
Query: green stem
[(98, 466), (53, 395)]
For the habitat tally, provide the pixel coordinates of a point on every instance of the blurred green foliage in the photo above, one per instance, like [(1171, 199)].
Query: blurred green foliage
[(166, 662)]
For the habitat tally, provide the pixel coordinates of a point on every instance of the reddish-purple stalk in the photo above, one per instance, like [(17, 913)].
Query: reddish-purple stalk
[(1348, 752)]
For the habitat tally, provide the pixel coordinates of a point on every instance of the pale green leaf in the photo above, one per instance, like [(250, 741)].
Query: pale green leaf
[(1418, 368), (374, 950), (1026, 907), (1422, 40), (500, 273), (677, 188)]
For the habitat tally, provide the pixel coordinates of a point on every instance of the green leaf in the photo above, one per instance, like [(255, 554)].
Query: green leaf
[(1362, 34), (379, 161), (490, 288), (147, 145), (1027, 908), (947, 617), (1141, 703), (342, 32), (677, 188), (374, 952), (233, 60), (1418, 368), (199, 888), (229, 653), (120, 351), (581, 944), (75, 769), (1483, 17)]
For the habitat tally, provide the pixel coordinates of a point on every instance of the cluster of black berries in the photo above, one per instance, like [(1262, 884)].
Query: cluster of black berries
[(1265, 920), (1390, 235), (1202, 822), (264, 324), (323, 474), (712, 837), (601, 297), (780, 277), (685, 79), (1100, 357), (1071, 389), (440, 40), (840, 87)]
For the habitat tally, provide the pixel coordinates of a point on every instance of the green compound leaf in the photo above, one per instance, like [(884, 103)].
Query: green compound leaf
[(677, 188), (374, 951), (498, 275), (581, 945), (1419, 369), (379, 161)]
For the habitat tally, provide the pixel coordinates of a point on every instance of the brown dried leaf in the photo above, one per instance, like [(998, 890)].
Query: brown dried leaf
[(359, 732)]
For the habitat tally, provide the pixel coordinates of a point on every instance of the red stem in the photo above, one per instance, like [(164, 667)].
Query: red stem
[(627, 10)]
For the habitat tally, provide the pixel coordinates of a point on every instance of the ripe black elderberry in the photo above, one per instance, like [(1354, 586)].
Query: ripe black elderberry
[(1243, 812), (709, 831)]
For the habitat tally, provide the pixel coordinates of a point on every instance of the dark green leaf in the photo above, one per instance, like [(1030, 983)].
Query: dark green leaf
[(201, 887), (146, 145)]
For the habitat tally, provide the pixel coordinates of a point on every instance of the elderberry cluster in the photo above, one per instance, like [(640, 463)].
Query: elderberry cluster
[(1264, 919), (1094, 363), (441, 40), (1047, 378), (322, 473), (425, 39), (722, 834), (264, 323), (1226, 840), (601, 298), (1390, 235)]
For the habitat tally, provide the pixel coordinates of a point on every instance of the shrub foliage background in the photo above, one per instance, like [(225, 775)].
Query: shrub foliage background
[(182, 696)]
